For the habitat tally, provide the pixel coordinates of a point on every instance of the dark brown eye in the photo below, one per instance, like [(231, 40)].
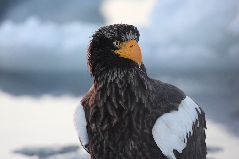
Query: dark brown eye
[(116, 43)]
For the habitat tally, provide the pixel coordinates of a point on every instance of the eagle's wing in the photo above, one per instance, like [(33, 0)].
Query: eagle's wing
[(80, 125), (181, 133)]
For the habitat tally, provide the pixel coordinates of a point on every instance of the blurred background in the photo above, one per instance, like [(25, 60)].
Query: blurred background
[(43, 69)]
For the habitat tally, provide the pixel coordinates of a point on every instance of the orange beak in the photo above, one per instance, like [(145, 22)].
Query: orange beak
[(130, 50)]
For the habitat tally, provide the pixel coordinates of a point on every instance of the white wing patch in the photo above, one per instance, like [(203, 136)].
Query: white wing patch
[(171, 129), (80, 125)]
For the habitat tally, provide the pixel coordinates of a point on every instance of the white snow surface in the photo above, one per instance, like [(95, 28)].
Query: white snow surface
[(80, 125), (171, 129), (36, 122)]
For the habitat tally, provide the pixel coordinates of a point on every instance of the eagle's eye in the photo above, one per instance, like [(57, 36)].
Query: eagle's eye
[(116, 44)]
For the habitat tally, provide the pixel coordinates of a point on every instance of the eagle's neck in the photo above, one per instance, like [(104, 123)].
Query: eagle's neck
[(136, 78), (121, 86), (116, 94)]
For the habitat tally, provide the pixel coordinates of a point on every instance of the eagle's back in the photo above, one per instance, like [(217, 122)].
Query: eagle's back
[(120, 120)]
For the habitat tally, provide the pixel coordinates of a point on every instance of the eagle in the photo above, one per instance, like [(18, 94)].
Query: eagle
[(128, 115)]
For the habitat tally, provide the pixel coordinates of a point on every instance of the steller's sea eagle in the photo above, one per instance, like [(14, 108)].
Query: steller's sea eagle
[(128, 115)]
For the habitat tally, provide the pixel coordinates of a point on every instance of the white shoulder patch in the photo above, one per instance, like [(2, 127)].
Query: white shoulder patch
[(80, 125), (171, 129)]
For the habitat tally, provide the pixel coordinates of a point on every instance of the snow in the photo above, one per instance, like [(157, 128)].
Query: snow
[(170, 130), (219, 137), (80, 125), (36, 122)]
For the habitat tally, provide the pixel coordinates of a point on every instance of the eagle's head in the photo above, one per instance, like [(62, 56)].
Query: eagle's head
[(114, 46)]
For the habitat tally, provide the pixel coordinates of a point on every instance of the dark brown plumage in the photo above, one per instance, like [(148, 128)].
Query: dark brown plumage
[(123, 104)]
